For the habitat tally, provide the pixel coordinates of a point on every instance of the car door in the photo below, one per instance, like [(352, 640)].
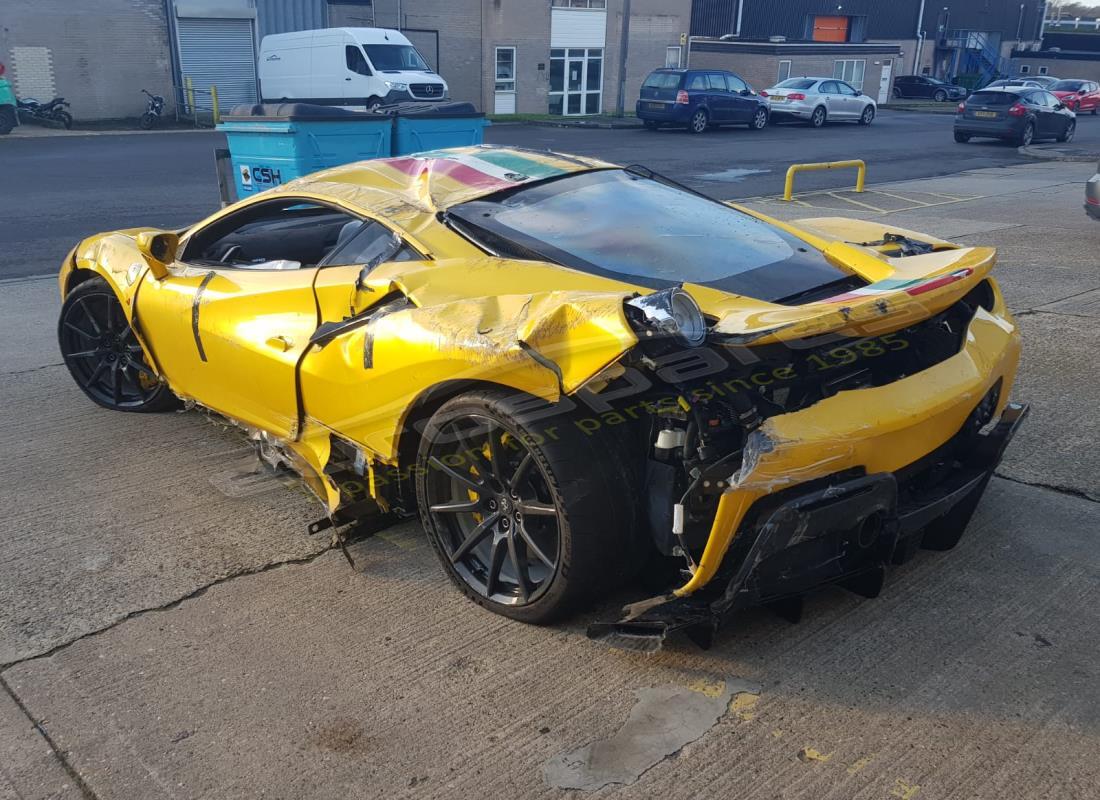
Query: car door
[(922, 87), (697, 86), (853, 100), (834, 100), (742, 101), (1090, 100), (1051, 122), (359, 84), (718, 98), (230, 322)]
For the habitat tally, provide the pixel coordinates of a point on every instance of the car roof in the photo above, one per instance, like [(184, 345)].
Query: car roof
[(1009, 89), (433, 181)]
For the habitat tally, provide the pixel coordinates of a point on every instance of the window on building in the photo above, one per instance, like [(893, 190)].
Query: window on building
[(580, 3), (850, 70), (506, 69), (672, 57), (784, 71), (1025, 69), (355, 59), (1042, 70)]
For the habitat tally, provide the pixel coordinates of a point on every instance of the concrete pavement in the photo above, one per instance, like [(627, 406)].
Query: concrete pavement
[(167, 629)]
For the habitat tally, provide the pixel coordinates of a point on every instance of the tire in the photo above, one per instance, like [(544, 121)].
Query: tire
[(1068, 135), (148, 120), (962, 138), (1027, 135), (939, 96), (699, 121), (896, 92), (7, 119), (103, 355), (817, 119), (651, 124), (65, 118), (374, 103), (1094, 110), (541, 509), (868, 116), (759, 119)]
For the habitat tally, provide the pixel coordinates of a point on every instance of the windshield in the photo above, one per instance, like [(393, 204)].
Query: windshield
[(636, 229), (1067, 86), (796, 83), (662, 80), (993, 98), (394, 57)]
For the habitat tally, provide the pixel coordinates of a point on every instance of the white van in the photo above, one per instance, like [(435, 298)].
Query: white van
[(346, 67)]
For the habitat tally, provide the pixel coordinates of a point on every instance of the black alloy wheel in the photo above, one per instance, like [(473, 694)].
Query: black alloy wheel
[(527, 521), (1067, 135), (1028, 134), (103, 355)]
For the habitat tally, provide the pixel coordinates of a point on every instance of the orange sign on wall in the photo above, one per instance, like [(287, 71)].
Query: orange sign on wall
[(830, 29)]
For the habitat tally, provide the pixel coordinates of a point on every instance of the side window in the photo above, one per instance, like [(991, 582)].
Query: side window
[(736, 84), (355, 59), (361, 242), (697, 83), (717, 82), (830, 87), (1050, 100), (288, 233), (848, 90)]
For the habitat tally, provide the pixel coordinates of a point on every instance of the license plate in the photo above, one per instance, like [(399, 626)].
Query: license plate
[(655, 106), (986, 114), (779, 98)]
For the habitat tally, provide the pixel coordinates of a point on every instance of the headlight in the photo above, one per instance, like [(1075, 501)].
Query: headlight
[(397, 85), (672, 312)]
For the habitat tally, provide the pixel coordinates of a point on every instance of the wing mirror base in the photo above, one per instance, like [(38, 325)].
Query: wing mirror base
[(159, 249)]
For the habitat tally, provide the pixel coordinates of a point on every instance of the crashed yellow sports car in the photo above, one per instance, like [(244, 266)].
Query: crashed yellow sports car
[(573, 371)]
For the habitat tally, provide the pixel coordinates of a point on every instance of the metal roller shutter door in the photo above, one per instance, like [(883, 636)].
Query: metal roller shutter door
[(219, 52)]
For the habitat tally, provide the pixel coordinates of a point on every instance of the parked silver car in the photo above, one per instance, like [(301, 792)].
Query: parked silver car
[(819, 99), (1092, 195)]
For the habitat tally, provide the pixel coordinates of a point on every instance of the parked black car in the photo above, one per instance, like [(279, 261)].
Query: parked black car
[(699, 98), (1020, 115), (922, 86)]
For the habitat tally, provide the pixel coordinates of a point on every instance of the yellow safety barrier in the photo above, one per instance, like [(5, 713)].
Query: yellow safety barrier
[(214, 101), (190, 94), (788, 187)]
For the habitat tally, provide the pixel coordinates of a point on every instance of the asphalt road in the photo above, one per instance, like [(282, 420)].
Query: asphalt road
[(59, 189)]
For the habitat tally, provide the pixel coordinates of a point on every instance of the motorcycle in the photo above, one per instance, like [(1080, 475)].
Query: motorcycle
[(153, 113), (7, 105), (53, 112)]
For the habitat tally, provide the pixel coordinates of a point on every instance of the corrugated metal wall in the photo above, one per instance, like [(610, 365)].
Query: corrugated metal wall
[(283, 16), (892, 19)]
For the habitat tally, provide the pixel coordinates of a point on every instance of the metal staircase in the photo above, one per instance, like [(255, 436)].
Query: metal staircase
[(978, 56)]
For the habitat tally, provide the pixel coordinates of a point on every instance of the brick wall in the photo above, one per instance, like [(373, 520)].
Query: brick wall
[(99, 59), (1060, 67)]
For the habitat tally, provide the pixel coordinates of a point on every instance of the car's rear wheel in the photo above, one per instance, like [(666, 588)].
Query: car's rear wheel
[(939, 95), (103, 355), (528, 522), (1026, 135), (817, 119), (651, 124), (1067, 135), (868, 116), (698, 122), (962, 138), (759, 119)]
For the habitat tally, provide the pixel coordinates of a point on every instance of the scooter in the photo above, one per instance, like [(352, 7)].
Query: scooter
[(152, 114), (30, 110), (8, 119)]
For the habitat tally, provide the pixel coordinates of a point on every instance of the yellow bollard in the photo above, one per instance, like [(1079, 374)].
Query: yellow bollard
[(788, 187), (189, 92), (214, 102)]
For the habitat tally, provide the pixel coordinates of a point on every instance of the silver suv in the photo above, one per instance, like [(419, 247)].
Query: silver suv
[(1092, 195)]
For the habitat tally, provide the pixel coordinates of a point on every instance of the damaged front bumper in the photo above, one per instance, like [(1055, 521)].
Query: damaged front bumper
[(836, 492)]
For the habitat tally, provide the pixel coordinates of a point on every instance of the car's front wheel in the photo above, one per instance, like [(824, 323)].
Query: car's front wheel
[(103, 355), (1067, 135), (527, 521), (698, 122), (939, 96), (759, 119), (868, 116)]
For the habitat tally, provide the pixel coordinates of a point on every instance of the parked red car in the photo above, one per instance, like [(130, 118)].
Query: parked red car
[(1077, 95)]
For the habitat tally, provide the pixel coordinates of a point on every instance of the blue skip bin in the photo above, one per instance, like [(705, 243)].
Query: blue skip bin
[(275, 143)]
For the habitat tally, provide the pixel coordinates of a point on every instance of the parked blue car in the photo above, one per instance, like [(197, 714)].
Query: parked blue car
[(699, 98)]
